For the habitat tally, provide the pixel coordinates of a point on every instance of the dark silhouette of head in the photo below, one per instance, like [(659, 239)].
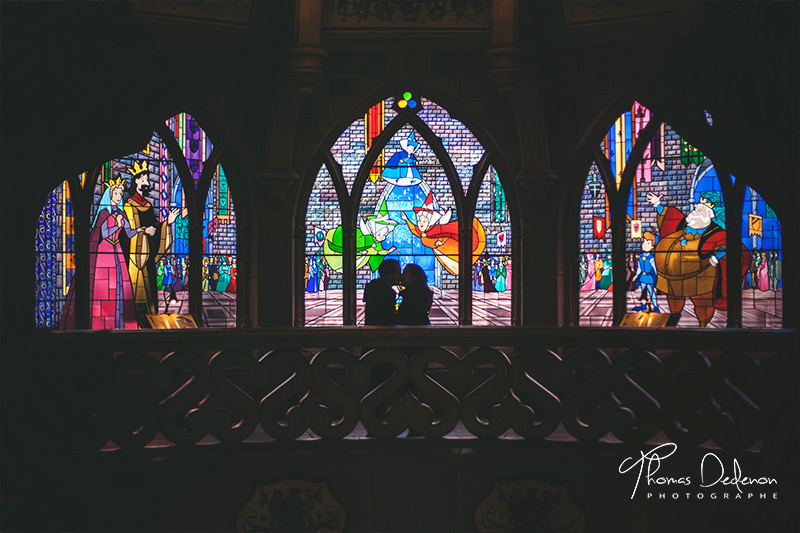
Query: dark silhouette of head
[(389, 269), (413, 275)]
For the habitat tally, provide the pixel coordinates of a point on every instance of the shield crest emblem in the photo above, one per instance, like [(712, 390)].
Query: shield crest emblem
[(291, 505), (528, 505)]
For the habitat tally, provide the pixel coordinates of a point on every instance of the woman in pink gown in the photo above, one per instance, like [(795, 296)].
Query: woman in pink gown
[(110, 291), (588, 283), (762, 273)]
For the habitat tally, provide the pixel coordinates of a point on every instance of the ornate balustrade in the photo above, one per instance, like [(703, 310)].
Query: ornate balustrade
[(87, 389)]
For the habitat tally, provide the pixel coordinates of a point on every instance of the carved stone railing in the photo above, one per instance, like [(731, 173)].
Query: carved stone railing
[(88, 389)]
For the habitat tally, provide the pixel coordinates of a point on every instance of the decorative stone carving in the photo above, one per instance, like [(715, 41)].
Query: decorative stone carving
[(292, 505), (528, 505), (444, 12)]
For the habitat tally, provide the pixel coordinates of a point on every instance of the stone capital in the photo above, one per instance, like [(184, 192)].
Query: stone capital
[(537, 184), (506, 65), (275, 183), (305, 66)]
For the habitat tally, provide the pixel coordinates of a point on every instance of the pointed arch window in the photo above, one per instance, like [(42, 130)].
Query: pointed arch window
[(659, 227), (410, 182), (120, 243)]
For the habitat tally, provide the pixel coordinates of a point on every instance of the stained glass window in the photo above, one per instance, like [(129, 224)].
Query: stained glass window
[(594, 260), (220, 268), (676, 256), (621, 137), (463, 148), (762, 283), (412, 199), (668, 265), (353, 144), (145, 261), (322, 268), (55, 258), (408, 210), (138, 210), (193, 142), (492, 267)]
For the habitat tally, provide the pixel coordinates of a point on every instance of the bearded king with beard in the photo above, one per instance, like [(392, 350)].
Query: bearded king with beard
[(146, 248), (690, 256)]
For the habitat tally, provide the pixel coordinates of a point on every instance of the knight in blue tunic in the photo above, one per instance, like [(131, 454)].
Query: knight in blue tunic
[(646, 274)]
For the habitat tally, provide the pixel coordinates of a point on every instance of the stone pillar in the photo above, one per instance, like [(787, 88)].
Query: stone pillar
[(276, 225)]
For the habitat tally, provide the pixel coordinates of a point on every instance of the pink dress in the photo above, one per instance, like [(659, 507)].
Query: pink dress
[(111, 293), (762, 275), (588, 283)]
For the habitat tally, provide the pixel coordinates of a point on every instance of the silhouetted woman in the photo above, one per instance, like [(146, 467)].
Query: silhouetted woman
[(417, 298)]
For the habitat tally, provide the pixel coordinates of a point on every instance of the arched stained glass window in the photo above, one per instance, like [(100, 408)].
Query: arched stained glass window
[(676, 244), (353, 144), (322, 267), (463, 148), (594, 262), (492, 267), (193, 142), (55, 258), (220, 268), (140, 246), (656, 248), (413, 185), (407, 209), (762, 284), (618, 142)]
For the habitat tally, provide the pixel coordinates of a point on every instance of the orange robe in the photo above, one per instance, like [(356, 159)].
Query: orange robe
[(447, 250)]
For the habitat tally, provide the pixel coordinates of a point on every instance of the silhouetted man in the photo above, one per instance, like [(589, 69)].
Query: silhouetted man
[(380, 298)]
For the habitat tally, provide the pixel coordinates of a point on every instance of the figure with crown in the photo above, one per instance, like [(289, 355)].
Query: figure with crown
[(690, 256), (152, 240), (110, 291), (437, 232)]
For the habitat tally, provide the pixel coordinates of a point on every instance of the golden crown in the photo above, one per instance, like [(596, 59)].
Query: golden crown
[(139, 167), (119, 182), (709, 203)]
